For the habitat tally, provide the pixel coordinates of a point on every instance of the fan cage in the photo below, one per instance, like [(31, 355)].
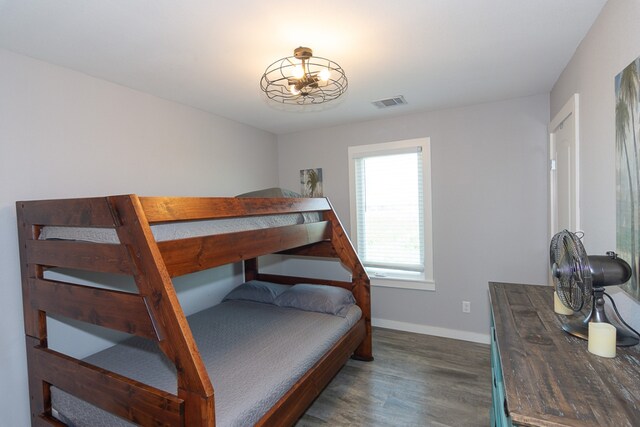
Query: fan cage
[(571, 271), (277, 80)]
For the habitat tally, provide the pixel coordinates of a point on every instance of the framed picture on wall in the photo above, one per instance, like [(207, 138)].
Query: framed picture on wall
[(311, 182), (627, 84)]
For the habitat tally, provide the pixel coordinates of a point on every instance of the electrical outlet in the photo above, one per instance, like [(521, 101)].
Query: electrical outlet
[(466, 306)]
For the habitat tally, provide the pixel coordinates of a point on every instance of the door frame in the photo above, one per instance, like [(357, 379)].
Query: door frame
[(570, 111)]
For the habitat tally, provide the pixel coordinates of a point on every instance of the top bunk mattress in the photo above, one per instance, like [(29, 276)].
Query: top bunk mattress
[(182, 230), (254, 354)]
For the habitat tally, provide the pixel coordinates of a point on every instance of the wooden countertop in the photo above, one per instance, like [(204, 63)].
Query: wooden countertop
[(550, 378)]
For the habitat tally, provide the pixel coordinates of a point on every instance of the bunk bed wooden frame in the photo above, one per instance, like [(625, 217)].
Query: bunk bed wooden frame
[(155, 312)]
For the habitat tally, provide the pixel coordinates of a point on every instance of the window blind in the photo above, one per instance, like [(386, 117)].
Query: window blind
[(389, 209)]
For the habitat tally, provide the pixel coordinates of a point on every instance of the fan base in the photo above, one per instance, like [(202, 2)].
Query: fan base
[(581, 330)]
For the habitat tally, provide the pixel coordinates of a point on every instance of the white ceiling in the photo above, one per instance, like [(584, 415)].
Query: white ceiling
[(211, 54)]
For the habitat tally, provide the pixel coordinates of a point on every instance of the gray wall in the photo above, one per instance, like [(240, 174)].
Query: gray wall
[(65, 134), (489, 204), (611, 44)]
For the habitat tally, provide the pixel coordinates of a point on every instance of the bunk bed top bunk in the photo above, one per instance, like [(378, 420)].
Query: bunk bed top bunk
[(134, 247)]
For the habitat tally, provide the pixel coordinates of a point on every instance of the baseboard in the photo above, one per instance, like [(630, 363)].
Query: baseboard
[(431, 330)]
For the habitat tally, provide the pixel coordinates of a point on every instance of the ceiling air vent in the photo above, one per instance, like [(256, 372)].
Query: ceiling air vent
[(390, 102)]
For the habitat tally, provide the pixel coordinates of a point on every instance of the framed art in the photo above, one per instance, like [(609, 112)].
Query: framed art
[(311, 182), (627, 84)]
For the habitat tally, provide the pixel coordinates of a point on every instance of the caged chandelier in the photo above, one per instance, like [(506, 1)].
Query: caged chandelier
[(303, 79)]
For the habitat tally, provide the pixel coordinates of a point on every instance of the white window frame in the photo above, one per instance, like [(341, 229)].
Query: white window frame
[(397, 279)]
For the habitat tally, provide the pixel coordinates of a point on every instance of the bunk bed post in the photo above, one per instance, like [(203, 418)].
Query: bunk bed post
[(250, 269), (359, 280), (154, 283), (361, 293), (35, 321)]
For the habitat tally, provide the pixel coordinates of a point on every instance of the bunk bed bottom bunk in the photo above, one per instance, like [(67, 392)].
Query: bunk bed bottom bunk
[(254, 353)]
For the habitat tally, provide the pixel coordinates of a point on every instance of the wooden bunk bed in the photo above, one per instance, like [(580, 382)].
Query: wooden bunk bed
[(155, 312)]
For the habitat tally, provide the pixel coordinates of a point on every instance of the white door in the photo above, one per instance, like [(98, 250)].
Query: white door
[(564, 169)]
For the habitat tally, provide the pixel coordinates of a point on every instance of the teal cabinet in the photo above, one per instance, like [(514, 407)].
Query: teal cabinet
[(499, 413)]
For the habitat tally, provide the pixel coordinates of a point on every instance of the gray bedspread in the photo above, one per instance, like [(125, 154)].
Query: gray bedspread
[(253, 352)]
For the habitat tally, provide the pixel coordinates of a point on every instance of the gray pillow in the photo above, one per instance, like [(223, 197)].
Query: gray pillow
[(277, 192), (320, 298), (258, 291), (271, 192)]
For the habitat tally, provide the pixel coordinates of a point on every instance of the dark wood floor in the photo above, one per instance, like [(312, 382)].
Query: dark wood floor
[(415, 380)]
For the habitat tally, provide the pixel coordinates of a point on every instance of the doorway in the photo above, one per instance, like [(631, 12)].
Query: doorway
[(564, 169)]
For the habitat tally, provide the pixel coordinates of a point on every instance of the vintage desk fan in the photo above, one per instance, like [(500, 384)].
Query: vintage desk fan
[(579, 281)]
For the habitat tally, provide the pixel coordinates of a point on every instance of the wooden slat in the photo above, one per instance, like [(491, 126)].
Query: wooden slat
[(321, 249), (162, 209), (114, 393), (105, 258), (550, 378), (292, 280), (294, 403), (90, 212), (343, 248), (198, 253), (112, 309)]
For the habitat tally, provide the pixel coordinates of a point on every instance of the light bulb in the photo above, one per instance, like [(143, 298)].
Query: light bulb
[(294, 90), (324, 74), (297, 72)]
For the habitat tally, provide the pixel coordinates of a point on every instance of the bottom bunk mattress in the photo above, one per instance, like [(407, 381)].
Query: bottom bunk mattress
[(254, 353)]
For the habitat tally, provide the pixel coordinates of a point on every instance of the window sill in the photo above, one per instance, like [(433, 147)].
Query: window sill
[(416, 284)]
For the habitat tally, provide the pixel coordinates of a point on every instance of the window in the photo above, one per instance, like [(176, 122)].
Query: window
[(390, 192)]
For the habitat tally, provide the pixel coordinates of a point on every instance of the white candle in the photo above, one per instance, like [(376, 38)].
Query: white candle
[(602, 339), (559, 307)]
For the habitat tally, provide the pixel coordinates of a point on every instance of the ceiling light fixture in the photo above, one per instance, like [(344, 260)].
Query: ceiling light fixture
[(303, 79)]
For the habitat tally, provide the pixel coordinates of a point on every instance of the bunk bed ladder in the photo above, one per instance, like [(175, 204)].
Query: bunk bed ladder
[(153, 313), (154, 281)]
